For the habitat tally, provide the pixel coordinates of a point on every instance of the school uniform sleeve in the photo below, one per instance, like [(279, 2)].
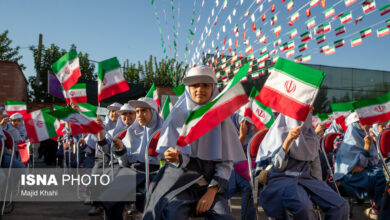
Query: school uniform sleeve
[(222, 175), (280, 160), (121, 156), (105, 145), (363, 159), (315, 170)]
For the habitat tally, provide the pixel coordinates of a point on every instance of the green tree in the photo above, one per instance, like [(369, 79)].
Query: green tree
[(131, 72), (7, 52)]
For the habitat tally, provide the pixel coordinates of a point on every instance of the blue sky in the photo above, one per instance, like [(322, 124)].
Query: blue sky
[(128, 29)]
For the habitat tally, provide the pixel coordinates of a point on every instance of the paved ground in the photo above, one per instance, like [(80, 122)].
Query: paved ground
[(77, 210)]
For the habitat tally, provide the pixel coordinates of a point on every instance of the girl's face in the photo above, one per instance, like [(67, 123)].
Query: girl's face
[(114, 115), (128, 117), (201, 92), (16, 122)]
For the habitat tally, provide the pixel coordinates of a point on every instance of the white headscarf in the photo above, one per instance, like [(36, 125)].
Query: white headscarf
[(219, 144), (137, 138), (304, 148)]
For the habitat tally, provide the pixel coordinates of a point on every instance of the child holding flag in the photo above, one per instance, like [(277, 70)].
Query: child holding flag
[(195, 177)]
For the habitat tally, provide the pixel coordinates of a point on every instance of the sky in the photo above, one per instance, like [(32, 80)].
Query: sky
[(129, 29)]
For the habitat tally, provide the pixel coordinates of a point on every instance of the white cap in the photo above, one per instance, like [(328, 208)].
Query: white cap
[(114, 106), (16, 116), (126, 108), (200, 74), (351, 118), (144, 102)]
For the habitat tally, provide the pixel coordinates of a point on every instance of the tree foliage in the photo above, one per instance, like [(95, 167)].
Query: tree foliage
[(7, 52)]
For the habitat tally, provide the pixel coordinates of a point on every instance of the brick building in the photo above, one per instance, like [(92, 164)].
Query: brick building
[(13, 83)]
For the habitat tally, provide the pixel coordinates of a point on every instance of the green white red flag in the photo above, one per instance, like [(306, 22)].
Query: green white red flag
[(76, 94), (67, 69), (349, 2), (340, 30), (78, 123), (152, 93), (356, 41), (291, 89), (374, 110), (12, 107), (260, 114), (368, 5), (381, 32), (384, 9), (41, 126), (110, 79), (329, 12), (167, 107), (341, 111), (204, 119), (345, 18)]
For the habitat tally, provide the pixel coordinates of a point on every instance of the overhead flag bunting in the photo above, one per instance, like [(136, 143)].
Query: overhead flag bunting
[(356, 41), (339, 43), (384, 9), (340, 30), (329, 12), (365, 33), (368, 5), (381, 32), (345, 18)]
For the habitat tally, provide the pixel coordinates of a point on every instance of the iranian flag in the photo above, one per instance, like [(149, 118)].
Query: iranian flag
[(263, 39), (249, 49), (368, 5), (204, 119), (302, 47), (331, 51), (326, 28), (76, 94), (275, 59), (349, 2), (152, 93), (78, 123), (321, 39), (382, 31), (388, 23), (374, 110), (167, 107), (310, 23), (41, 126), (291, 89), (263, 57), (298, 59), (306, 58), (345, 18), (277, 42), (324, 48), (314, 3), (365, 33), (384, 9), (290, 53), (274, 19), (325, 118), (329, 12), (341, 111), (339, 43), (67, 69), (290, 5), (263, 50), (340, 30), (258, 33), (277, 30), (293, 33), (356, 42), (12, 107), (110, 79), (260, 114), (294, 17)]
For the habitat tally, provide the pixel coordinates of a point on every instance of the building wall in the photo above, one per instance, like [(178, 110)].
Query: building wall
[(13, 84)]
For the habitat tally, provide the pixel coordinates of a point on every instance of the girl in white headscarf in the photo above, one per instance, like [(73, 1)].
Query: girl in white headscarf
[(294, 180), (195, 177)]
